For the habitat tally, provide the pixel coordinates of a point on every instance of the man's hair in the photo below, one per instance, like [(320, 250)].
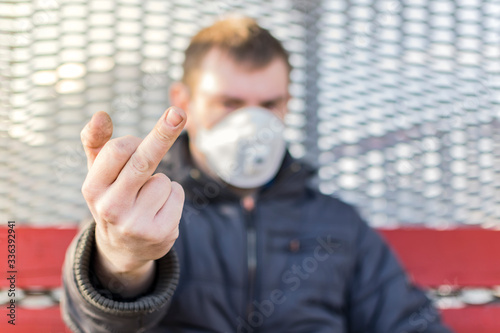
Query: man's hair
[(241, 38)]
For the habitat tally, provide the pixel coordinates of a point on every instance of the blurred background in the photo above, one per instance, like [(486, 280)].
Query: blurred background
[(396, 103)]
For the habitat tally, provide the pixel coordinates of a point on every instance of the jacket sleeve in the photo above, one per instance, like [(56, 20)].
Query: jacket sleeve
[(88, 307), (382, 299)]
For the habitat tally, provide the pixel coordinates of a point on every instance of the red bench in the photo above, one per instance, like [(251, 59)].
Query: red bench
[(457, 258), (39, 254)]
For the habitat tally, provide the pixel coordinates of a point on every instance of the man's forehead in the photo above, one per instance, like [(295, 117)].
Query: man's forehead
[(219, 74)]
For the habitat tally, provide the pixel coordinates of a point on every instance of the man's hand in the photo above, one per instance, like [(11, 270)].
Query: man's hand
[(137, 214)]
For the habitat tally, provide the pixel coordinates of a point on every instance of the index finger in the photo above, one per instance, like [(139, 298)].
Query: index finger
[(95, 134), (150, 152)]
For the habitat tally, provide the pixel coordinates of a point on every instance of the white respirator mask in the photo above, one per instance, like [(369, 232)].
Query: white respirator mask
[(246, 148)]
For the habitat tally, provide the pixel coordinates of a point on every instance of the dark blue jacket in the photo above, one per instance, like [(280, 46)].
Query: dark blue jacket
[(299, 261)]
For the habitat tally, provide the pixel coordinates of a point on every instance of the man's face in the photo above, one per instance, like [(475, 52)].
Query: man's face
[(223, 85)]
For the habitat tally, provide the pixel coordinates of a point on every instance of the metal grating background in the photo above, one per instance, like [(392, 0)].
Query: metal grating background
[(409, 97), (396, 102)]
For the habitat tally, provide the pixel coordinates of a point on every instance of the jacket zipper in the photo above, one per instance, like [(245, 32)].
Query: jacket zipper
[(251, 256), (251, 233)]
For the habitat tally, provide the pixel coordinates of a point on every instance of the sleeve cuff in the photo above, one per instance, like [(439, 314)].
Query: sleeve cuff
[(161, 292)]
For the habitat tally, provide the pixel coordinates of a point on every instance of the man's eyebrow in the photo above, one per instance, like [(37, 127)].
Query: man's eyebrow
[(274, 100), (224, 97), (229, 97)]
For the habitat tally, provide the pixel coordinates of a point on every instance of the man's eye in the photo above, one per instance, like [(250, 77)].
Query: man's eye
[(269, 105), (231, 104)]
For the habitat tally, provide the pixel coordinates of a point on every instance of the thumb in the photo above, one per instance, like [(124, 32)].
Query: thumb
[(95, 134)]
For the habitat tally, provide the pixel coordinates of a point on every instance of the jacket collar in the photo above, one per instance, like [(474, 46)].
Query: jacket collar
[(291, 179)]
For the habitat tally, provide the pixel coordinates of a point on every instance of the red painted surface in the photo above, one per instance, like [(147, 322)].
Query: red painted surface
[(473, 319), (459, 257), (39, 256), (483, 319), (40, 321)]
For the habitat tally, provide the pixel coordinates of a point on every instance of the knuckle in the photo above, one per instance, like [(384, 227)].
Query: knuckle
[(141, 164), (162, 181), (163, 135), (86, 190), (156, 238), (126, 232), (161, 177), (122, 147), (175, 233), (107, 213), (116, 146), (177, 190), (133, 232), (172, 236), (89, 191)]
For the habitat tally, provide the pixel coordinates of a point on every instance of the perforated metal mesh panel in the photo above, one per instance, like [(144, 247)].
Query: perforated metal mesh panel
[(409, 100), (396, 102)]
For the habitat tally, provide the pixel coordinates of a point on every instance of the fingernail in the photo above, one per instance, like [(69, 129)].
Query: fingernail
[(173, 118)]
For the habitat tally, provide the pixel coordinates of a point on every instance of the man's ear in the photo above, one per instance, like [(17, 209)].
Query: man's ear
[(180, 96)]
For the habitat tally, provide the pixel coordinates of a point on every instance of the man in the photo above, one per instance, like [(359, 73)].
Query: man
[(256, 249)]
